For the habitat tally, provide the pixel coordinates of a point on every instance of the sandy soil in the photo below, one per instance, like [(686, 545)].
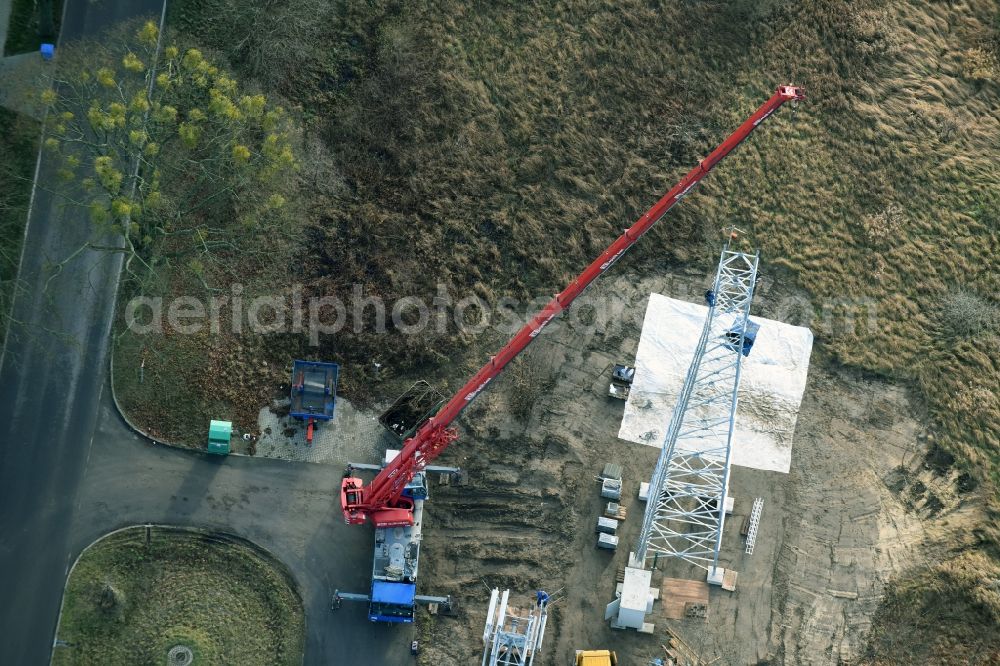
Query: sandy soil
[(860, 504)]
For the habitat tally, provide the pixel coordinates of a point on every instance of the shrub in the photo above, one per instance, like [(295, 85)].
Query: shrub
[(979, 64), (965, 313), (881, 226)]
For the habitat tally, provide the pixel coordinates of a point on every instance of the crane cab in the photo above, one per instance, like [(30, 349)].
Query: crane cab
[(351, 500), (354, 500), (352, 503)]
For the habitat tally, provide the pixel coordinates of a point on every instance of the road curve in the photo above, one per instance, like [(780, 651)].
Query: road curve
[(71, 470)]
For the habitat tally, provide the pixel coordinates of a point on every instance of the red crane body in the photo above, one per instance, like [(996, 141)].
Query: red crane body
[(382, 500)]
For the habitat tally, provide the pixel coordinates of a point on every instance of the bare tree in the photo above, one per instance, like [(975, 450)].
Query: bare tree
[(161, 147)]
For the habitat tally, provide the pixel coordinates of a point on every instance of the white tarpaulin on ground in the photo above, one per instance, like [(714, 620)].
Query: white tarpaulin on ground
[(771, 386)]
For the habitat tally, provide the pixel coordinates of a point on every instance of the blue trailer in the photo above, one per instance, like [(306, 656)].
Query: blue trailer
[(313, 393)]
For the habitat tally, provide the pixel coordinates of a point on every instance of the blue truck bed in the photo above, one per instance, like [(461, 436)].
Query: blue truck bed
[(314, 390)]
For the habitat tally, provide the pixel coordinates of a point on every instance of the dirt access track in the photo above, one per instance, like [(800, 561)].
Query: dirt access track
[(859, 505)]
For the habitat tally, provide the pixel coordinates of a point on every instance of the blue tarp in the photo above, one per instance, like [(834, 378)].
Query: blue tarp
[(393, 593), (749, 336)]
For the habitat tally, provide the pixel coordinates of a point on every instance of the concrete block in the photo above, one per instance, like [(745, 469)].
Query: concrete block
[(635, 597), (607, 541), (716, 576), (607, 525)]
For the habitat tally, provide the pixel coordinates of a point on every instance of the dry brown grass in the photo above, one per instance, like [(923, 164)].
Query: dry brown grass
[(908, 630), (497, 147), (966, 313), (530, 382)]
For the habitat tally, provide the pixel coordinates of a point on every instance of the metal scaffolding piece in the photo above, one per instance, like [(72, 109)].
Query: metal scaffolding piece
[(512, 637), (758, 506), (686, 508)]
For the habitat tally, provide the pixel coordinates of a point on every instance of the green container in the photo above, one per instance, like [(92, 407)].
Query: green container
[(219, 434)]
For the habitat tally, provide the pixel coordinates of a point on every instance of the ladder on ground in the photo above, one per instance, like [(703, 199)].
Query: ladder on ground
[(758, 506)]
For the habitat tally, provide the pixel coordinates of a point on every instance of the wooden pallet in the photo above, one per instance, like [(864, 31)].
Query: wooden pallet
[(680, 652), (618, 515), (695, 610), (745, 527), (677, 593)]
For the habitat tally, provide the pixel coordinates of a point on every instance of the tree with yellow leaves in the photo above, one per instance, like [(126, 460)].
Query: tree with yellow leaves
[(161, 146)]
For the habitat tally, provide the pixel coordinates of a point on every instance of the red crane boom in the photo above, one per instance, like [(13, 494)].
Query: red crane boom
[(382, 500)]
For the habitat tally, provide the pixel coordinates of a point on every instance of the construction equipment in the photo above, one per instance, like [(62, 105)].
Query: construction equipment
[(607, 525), (687, 492), (621, 381), (611, 489), (611, 481), (687, 502), (596, 658), (383, 501), (513, 636), (616, 511), (607, 541), (313, 393), (753, 522), (393, 596)]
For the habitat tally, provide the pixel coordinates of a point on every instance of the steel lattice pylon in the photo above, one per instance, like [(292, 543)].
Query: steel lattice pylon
[(512, 637), (686, 509)]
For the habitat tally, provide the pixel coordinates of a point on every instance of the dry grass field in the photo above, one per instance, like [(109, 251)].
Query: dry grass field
[(497, 147), (908, 623)]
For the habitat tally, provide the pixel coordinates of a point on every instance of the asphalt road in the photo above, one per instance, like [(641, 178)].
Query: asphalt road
[(71, 470)]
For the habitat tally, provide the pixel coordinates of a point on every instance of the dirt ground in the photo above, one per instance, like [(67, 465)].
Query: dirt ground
[(863, 501)]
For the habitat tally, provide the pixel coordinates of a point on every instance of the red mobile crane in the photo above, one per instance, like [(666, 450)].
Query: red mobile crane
[(383, 500)]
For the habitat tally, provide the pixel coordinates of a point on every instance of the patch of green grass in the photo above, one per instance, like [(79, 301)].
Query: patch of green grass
[(19, 147), (129, 603), (23, 33)]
